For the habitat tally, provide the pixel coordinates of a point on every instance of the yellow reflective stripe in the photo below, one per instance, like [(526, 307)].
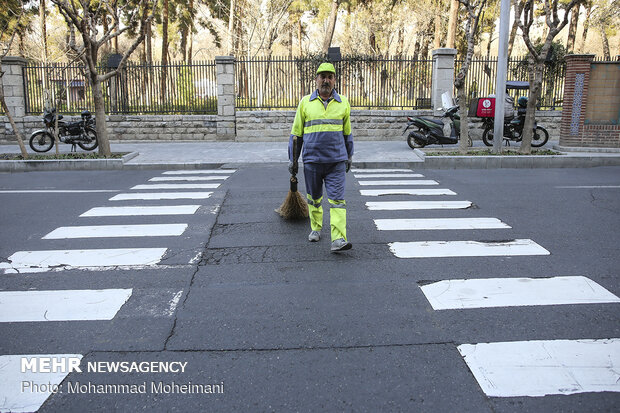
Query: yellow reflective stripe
[(322, 122), (337, 204), (314, 202), (323, 128)]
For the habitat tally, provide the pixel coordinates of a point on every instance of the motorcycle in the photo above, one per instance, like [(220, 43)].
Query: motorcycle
[(430, 131), (81, 133), (513, 125)]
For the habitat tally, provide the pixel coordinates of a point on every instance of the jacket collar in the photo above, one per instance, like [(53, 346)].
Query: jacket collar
[(335, 95)]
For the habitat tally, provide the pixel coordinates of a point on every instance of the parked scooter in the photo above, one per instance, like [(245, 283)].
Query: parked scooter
[(81, 133), (430, 131), (513, 125)]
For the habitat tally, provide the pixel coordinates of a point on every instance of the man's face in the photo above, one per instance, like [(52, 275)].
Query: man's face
[(325, 82)]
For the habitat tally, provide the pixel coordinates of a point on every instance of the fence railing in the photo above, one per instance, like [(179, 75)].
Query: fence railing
[(267, 83), (139, 88), (386, 83), (482, 73)]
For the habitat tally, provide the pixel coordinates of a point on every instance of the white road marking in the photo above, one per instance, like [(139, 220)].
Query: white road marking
[(61, 305), (425, 249), (591, 187), (401, 175), (14, 398), (540, 368), (161, 195), (105, 231), (420, 224), (200, 171), (406, 191), (86, 258), (186, 178), (405, 205), (141, 210), (515, 292), (357, 171), (407, 182), (54, 191), (176, 186), (6, 268), (172, 305)]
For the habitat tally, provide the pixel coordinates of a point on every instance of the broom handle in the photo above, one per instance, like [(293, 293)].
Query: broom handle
[(295, 163)]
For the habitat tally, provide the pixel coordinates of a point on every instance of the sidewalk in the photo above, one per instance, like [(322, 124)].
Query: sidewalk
[(368, 154)]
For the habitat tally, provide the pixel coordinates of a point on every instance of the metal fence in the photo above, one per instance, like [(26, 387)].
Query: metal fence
[(482, 72), (140, 88), (368, 82)]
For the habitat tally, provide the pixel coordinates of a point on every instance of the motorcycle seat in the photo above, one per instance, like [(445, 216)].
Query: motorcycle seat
[(438, 122)]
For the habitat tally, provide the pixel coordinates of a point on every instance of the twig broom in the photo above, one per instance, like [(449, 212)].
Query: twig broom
[(294, 205)]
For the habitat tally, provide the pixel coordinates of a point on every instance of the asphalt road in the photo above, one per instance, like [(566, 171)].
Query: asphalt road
[(282, 324)]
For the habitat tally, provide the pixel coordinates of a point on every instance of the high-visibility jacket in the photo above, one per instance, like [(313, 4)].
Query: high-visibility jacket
[(325, 132)]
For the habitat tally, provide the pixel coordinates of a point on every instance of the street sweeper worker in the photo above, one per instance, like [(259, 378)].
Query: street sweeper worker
[(323, 129)]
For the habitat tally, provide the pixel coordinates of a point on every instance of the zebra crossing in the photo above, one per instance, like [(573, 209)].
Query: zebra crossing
[(39, 306), (533, 368)]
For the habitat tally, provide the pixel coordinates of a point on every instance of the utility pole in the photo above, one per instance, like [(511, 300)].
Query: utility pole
[(502, 68)]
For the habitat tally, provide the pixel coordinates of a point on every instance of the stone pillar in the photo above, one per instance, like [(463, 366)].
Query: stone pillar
[(443, 76), (226, 120), (575, 97), (13, 82)]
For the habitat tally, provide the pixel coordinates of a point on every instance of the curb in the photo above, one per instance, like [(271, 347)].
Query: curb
[(65, 164)]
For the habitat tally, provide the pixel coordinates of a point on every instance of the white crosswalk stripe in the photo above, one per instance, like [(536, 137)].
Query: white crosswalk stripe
[(161, 195), (141, 210), (176, 186), (61, 305), (404, 182), (200, 171), (406, 191), (187, 178), (107, 231), (437, 249), (540, 368), (438, 224), (87, 258), (14, 397), (514, 292), (406, 205), (401, 175), (370, 171)]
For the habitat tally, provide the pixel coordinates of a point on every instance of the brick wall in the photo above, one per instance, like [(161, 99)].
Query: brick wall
[(588, 100)]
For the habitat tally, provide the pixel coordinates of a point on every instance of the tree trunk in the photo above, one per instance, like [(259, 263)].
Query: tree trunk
[(518, 6), (300, 34), (231, 28), (102, 130), (464, 128), (605, 39), (437, 38), (586, 26), (572, 29), (149, 41), (331, 25), (20, 138), (164, 52), (452, 23), (530, 114)]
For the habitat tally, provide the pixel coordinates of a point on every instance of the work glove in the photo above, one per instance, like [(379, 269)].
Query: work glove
[(349, 163), (292, 168)]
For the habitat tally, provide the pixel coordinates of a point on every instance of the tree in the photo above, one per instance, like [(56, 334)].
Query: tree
[(86, 16), (518, 10), (10, 20), (605, 20), (474, 10), (538, 55), (452, 23), (331, 25), (572, 28)]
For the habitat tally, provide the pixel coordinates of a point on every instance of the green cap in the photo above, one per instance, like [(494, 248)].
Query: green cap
[(326, 67)]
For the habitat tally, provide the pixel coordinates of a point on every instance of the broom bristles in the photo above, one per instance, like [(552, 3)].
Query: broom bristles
[(293, 207)]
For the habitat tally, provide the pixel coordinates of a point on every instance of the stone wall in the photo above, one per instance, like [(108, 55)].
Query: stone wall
[(258, 126)]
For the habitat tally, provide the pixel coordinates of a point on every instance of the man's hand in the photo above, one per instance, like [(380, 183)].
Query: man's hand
[(349, 163), (292, 168)]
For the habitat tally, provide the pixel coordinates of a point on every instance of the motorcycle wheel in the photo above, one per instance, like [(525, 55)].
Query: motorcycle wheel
[(415, 140), (470, 143), (92, 140), (540, 137), (487, 136), (41, 141)]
